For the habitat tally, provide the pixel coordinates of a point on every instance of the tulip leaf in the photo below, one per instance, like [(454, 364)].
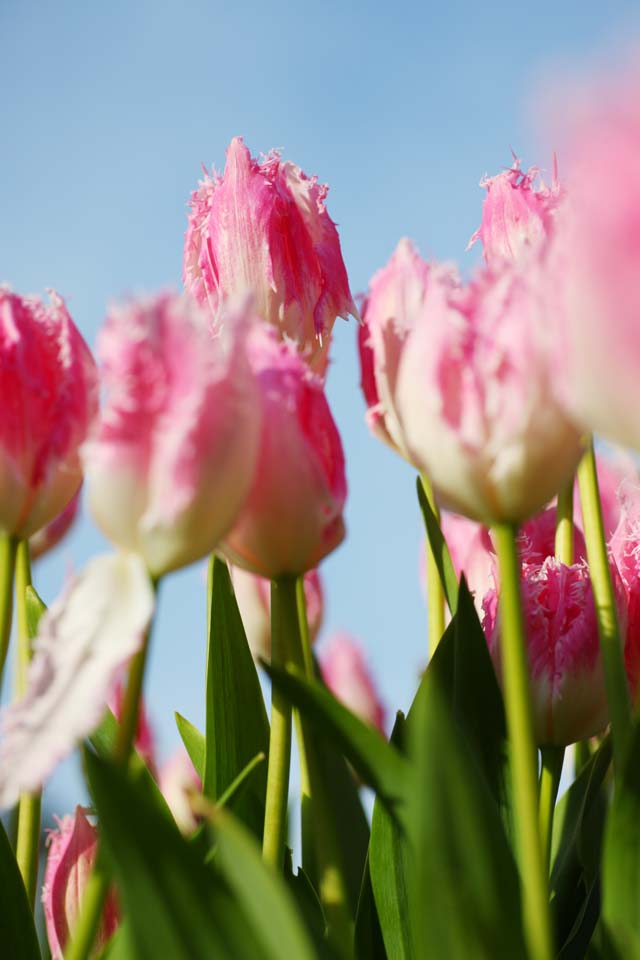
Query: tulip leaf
[(368, 943), (237, 728), (440, 550), (465, 893), (18, 938), (377, 762), (177, 907), (193, 742), (389, 859), (35, 608), (621, 858)]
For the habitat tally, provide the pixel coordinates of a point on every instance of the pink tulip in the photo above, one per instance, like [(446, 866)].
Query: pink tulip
[(516, 217), (471, 552), (345, 672), (174, 454), (144, 739), (70, 858), (253, 594), (50, 536), (178, 777), (292, 517), (567, 677), (625, 548), (264, 228), (475, 398), (49, 397)]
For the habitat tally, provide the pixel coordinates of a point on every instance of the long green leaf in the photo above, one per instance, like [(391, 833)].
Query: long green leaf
[(236, 726), (176, 907), (368, 941), (194, 742), (439, 549), (18, 938)]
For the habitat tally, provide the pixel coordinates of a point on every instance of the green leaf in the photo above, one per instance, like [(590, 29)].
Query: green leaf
[(237, 728), (18, 938), (193, 741), (177, 908), (389, 862), (467, 898), (621, 858), (439, 549), (262, 893), (35, 608), (378, 763), (368, 942)]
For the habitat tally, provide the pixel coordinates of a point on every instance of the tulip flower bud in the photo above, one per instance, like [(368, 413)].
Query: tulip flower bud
[(475, 399), (264, 228), (49, 398), (253, 594), (70, 859), (567, 676), (516, 218), (177, 777), (345, 672), (292, 517), (173, 457)]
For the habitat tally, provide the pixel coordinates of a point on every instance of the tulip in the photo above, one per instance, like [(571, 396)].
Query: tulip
[(476, 402), (264, 228), (177, 778), (595, 282), (174, 452), (253, 594), (566, 671), (71, 855), (49, 398), (144, 739), (517, 218), (625, 549), (50, 536), (292, 517), (345, 672)]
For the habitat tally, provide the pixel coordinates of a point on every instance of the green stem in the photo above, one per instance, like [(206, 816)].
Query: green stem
[(29, 804), (97, 888), (552, 759), (606, 610), (582, 755), (275, 815), (522, 748), (8, 547), (564, 525), (435, 593)]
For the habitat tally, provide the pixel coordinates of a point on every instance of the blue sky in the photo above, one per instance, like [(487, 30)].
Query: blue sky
[(108, 111)]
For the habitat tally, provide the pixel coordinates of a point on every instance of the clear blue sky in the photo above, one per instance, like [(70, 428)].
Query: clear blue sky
[(108, 111)]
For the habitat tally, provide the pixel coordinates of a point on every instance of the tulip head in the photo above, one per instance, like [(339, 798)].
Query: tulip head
[(345, 672)]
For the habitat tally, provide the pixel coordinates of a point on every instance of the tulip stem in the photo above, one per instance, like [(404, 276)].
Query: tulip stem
[(564, 525), (552, 759), (522, 749), (8, 547), (97, 888), (606, 610), (29, 804), (435, 593), (275, 815)]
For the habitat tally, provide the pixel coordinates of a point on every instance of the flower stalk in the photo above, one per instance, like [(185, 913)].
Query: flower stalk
[(8, 547)]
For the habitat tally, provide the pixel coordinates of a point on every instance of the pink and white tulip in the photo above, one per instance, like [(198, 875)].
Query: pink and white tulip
[(345, 672), (475, 398), (50, 536), (178, 778), (253, 594), (72, 850), (263, 227), (174, 453), (566, 670), (292, 517), (48, 385), (517, 218)]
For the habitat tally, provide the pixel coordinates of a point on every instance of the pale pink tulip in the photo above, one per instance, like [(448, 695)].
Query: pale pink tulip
[(264, 228), (178, 778), (253, 594), (475, 398), (174, 454), (49, 398), (345, 672), (517, 218), (72, 850), (50, 536), (292, 517), (567, 676), (598, 256)]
